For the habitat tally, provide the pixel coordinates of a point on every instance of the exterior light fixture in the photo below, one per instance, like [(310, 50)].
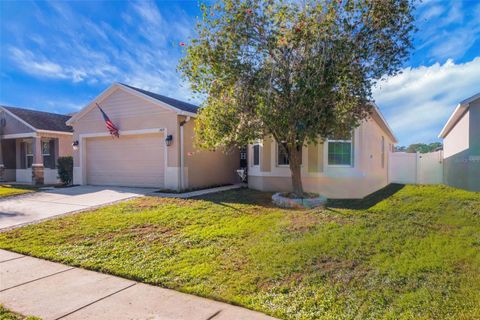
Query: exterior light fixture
[(169, 140), (75, 145)]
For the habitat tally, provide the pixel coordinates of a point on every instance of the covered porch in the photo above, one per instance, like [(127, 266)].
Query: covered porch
[(29, 158)]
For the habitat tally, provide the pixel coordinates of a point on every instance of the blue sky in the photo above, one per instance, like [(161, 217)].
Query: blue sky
[(57, 56)]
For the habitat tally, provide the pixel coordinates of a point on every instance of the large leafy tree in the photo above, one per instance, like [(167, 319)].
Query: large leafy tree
[(299, 71)]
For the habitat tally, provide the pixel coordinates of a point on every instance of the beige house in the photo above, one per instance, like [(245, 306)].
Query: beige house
[(30, 144), (155, 148), (461, 145), (350, 168)]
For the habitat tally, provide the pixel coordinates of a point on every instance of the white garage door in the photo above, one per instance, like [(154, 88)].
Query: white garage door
[(136, 160)]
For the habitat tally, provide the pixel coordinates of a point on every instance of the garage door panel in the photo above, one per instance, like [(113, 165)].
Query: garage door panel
[(129, 161)]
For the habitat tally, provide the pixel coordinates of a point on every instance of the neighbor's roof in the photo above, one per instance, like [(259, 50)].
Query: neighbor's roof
[(40, 120), (173, 102), (457, 114)]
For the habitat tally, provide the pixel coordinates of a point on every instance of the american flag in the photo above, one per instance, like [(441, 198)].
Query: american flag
[(110, 126)]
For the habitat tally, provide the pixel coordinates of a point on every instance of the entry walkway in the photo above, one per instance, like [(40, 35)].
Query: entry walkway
[(198, 193), (36, 287)]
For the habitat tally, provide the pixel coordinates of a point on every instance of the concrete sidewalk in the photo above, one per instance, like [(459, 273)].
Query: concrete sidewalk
[(50, 290)]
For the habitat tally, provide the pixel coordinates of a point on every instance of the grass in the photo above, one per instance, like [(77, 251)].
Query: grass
[(7, 190), (6, 314), (408, 252)]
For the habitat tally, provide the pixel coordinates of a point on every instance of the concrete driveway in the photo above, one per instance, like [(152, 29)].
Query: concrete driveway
[(37, 206), (51, 290)]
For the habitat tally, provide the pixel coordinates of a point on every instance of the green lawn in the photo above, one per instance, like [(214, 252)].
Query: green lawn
[(7, 190), (6, 314), (408, 252)]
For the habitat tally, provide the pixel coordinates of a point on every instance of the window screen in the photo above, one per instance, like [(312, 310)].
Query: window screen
[(340, 152)]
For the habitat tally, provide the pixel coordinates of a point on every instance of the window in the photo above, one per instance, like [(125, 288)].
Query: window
[(45, 148), (282, 156), (256, 155), (28, 154), (340, 152), (383, 152)]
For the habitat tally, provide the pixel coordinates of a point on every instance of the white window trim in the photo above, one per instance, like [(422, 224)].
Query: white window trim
[(253, 154), (352, 164)]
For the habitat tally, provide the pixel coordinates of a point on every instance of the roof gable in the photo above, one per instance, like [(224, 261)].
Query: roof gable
[(188, 107), (378, 116), (457, 114), (182, 108), (39, 120)]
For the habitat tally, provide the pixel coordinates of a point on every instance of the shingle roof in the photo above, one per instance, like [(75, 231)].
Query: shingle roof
[(41, 120), (173, 102)]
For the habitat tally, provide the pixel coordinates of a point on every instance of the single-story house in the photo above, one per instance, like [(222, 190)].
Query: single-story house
[(461, 145), (30, 143), (335, 168), (155, 147)]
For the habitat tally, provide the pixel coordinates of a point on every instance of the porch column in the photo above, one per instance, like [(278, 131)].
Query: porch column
[(37, 165), (2, 167)]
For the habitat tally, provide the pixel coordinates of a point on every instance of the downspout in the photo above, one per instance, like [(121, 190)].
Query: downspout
[(182, 154)]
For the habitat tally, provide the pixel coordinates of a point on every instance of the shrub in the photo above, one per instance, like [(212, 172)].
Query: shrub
[(65, 169)]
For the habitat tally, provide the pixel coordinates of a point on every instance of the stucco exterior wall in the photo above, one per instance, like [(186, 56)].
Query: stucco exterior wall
[(458, 139), (130, 112), (64, 143), (462, 151), (365, 176), (207, 168)]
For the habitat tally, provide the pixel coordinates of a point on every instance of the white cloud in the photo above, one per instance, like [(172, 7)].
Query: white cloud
[(432, 12), (148, 11), (36, 65), (418, 102), (447, 30), (140, 52)]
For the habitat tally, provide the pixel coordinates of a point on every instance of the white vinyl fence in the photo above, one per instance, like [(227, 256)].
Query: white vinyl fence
[(416, 168)]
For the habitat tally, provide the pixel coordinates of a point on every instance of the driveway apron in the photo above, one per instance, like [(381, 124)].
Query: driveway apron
[(37, 206)]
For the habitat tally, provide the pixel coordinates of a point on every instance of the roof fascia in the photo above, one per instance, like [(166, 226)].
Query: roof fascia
[(457, 114), (384, 121)]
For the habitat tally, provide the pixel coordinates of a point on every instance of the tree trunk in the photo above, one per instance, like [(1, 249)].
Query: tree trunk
[(295, 159)]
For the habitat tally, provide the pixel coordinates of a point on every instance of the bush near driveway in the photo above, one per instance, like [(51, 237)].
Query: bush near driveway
[(65, 170), (404, 253)]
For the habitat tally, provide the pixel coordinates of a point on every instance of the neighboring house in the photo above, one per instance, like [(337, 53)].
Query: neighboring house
[(155, 148), (461, 145), (30, 143), (336, 168)]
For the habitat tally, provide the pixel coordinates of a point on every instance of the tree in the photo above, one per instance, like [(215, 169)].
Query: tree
[(299, 72), (423, 148)]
